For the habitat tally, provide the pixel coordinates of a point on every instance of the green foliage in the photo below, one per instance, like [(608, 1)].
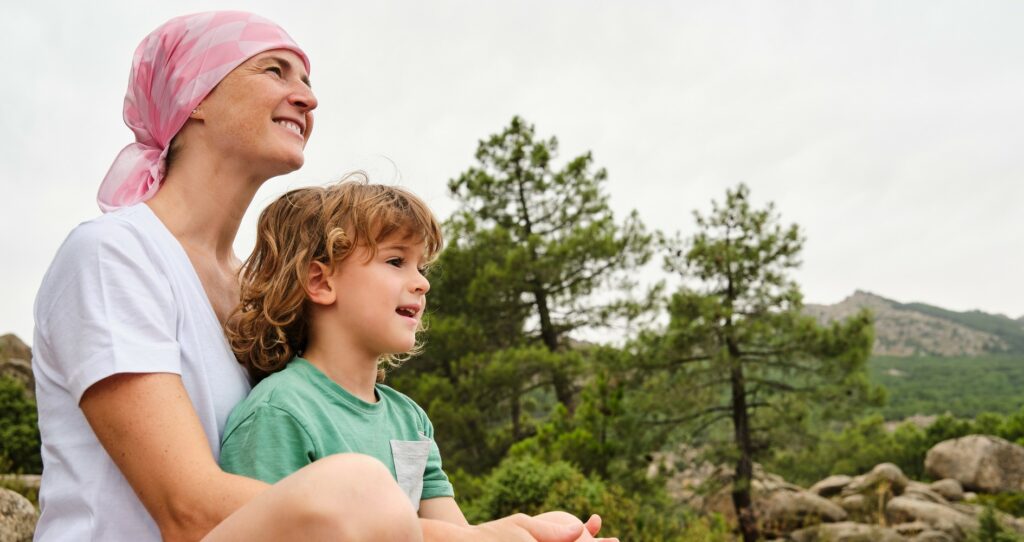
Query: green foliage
[(531, 486), (1011, 503), (991, 530), (19, 432), (964, 387)]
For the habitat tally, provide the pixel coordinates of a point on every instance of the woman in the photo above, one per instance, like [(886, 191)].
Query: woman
[(134, 377)]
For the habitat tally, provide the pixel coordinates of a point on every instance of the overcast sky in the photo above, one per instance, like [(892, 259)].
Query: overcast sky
[(885, 129)]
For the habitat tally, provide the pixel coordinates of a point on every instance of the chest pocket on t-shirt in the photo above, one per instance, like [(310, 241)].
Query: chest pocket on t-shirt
[(410, 463)]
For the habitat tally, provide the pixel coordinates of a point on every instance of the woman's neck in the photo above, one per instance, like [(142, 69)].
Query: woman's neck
[(202, 205)]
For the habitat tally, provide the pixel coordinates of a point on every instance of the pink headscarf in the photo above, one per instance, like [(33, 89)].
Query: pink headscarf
[(174, 69)]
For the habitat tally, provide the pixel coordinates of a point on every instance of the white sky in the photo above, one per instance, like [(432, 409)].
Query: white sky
[(885, 129)]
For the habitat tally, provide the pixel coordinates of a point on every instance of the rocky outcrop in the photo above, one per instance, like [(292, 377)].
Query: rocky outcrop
[(949, 488), (16, 362), (979, 462), (900, 330), (17, 517), (880, 505), (846, 531), (939, 517)]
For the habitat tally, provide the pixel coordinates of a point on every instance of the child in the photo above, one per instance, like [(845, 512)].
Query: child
[(336, 287)]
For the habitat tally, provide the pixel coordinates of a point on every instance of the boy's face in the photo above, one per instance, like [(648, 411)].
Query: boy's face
[(381, 300)]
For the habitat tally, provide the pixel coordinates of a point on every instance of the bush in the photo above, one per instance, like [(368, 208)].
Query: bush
[(531, 486), (990, 530), (19, 431)]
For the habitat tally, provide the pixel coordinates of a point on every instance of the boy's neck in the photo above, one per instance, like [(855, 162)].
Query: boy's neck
[(355, 373)]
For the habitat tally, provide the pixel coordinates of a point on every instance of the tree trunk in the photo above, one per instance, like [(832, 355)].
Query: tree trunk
[(741, 498), (516, 411), (561, 381)]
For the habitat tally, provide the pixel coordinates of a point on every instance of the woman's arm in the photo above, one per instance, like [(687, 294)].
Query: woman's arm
[(148, 426)]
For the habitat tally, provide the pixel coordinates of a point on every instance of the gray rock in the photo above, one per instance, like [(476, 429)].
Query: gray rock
[(17, 517), (979, 462), (911, 529), (846, 531), (854, 503), (949, 488), (937, 516), (783, 511), (933, 536), (832, 485), (885, 474), (923, 492)]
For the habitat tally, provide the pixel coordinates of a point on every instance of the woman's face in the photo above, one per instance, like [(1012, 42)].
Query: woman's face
[(261, 114)]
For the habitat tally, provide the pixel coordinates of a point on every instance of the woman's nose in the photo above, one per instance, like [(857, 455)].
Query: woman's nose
[(303, 98)]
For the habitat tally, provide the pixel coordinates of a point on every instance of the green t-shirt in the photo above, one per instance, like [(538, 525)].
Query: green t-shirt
[(299, 415)]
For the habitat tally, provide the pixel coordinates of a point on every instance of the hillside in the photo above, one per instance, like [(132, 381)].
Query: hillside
[(917, 329), (15, 361)]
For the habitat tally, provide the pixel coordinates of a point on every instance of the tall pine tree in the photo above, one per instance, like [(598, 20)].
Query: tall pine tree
[(567, 262), (739, 360)]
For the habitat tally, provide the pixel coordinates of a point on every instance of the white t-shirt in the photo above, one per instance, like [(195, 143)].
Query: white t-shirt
[(121, 296)]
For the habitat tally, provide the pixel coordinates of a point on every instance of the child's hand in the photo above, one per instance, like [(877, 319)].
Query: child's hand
[(593, 525)]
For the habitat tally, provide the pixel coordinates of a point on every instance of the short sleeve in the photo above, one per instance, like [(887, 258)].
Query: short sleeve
[(106, 308), (435, 481), (268, 444)]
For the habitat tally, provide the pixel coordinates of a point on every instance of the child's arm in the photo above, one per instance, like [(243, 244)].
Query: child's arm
[(444, 509)]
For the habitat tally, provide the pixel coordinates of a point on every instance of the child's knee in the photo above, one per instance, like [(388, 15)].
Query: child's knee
[(354, 497)]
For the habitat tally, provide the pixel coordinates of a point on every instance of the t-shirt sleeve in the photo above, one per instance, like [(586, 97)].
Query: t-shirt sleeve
[(435, 481), (268, 444), (105, 308)]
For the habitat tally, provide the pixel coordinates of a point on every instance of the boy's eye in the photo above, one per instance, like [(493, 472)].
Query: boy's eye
[(397, 262), (423, 270)]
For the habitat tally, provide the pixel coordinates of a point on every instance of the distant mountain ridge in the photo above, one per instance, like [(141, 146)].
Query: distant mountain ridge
[(918, 329)]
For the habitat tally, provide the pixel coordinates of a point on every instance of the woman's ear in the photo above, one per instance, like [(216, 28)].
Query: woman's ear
[(319, 287)]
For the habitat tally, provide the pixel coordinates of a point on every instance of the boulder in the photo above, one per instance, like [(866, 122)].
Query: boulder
[(934, 536), (912, 529), (923, 492), (832, 485), (854, 504), (17, 517), (886, 474), (782, 511), (949, 488), (937, 516), (979, 462), (846, 532)]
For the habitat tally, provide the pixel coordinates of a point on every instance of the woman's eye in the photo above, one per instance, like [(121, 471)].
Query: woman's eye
[(276, 70)]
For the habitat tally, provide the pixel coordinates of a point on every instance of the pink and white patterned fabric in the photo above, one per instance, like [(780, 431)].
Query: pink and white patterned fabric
[(174, 68)]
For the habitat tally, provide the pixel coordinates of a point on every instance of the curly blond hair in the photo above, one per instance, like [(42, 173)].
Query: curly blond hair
[(317, 224)]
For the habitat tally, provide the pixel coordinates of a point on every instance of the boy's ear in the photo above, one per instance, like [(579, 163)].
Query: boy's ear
[(319, 288)]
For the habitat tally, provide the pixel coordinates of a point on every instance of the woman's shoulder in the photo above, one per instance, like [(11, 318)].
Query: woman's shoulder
[(109, 249), (122, 229)]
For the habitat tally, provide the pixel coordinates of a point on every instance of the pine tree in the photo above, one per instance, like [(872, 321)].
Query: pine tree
[(739, 360)]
